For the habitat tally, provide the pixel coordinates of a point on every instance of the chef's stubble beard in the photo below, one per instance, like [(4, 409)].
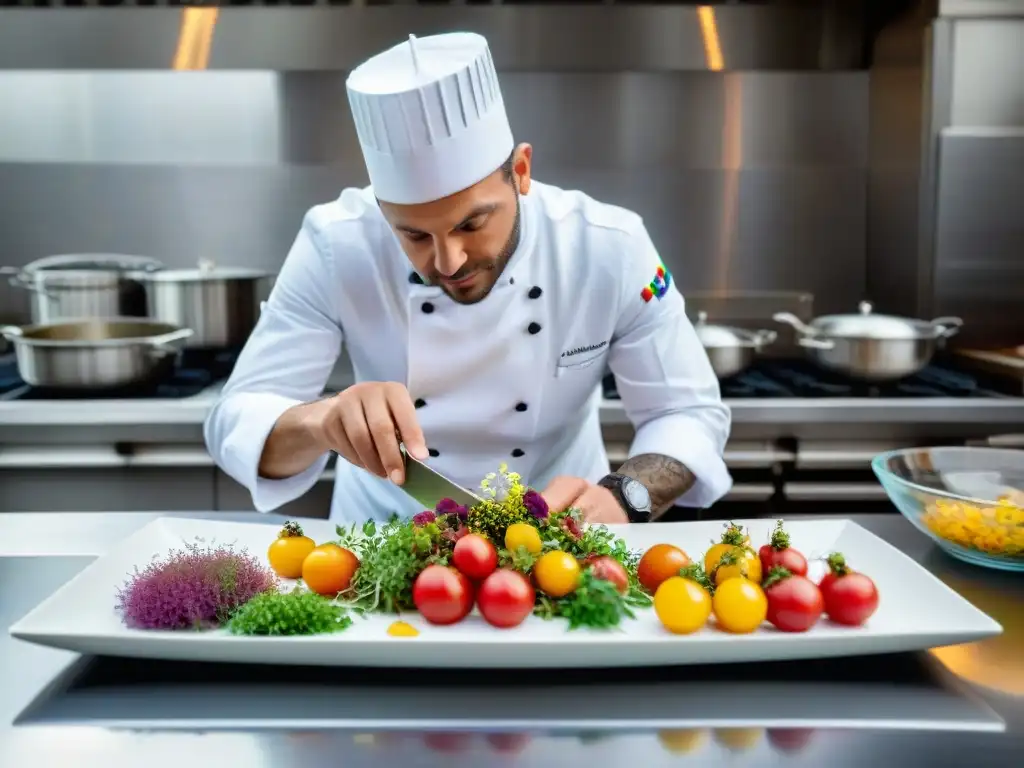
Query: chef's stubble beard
[(498, 264)]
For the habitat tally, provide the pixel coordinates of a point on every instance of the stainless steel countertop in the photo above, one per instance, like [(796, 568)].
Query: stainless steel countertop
[(951, 707)]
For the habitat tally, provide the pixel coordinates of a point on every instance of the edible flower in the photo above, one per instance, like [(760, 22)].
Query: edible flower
[(571, 525), (424, 518), (498, 485), (451, 507), (535, 504)]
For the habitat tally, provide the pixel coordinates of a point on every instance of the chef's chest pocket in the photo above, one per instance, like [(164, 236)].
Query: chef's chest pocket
[(581, 368)]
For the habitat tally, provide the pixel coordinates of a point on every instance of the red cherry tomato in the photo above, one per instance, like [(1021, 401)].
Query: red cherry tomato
[(448, 742), (506, 598), (508, 743), (794, 602), (442, 595), (790, 739), (850, 597), (475, 556), (610, 569), (787, 558), (778, 552)]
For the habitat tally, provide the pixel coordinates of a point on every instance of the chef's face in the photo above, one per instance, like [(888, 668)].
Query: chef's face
[(463, 242)]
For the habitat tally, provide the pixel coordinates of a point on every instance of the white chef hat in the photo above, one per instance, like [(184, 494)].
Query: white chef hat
[(429, 117)]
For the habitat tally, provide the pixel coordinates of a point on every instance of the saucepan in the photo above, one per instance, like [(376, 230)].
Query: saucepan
[(869, 346), (84, 285), (730, 350), (220, 304), (94, 354)]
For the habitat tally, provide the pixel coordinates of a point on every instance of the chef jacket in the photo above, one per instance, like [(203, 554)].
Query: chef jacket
[(512, 379)]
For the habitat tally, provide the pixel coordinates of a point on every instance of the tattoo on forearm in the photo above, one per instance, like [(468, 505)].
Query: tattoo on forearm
[(665, 478)]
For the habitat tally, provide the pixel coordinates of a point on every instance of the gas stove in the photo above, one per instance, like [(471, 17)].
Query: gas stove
[(772, 379), (194, 371)]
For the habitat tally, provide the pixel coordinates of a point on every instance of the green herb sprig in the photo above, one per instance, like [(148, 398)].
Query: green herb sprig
[(298, 612), (595, 604), (390, 558)]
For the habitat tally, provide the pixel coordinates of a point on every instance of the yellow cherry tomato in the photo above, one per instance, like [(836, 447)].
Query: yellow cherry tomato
[(733, 536), (713, 555), (683, 741), (682, 605), (289, 550), (740, 606), (557, 573), (738, 739), (522, 535), (738, 561)]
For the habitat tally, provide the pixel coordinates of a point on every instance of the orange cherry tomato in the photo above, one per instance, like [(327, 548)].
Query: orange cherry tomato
[(288, 550), (660, 562), (329, 569)]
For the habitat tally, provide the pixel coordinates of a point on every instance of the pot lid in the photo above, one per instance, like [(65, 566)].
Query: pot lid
[(868, 325), (207, 270), (719, 335), (94, 262)]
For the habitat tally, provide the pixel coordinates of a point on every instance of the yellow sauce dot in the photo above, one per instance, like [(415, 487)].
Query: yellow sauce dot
[(402, 629)]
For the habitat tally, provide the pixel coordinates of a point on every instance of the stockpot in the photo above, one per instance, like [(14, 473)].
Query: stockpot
[(869, 346)]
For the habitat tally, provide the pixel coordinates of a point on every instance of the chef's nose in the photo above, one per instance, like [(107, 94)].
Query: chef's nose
[(449, 256)]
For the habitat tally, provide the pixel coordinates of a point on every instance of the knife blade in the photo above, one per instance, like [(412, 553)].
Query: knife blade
[(428, 486)]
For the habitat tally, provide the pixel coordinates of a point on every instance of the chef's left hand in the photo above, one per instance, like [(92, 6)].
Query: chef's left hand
[(597, 504)]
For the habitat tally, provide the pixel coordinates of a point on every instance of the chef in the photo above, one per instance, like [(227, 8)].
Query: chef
[(480, 309)]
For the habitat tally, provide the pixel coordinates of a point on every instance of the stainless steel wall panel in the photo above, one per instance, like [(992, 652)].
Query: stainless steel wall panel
[(979, 259), (615, 120), (539, 37), (752, 181), (988, 72), (894, 169)]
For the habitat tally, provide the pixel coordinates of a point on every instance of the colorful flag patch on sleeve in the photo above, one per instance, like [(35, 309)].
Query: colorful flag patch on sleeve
[(657, 288)]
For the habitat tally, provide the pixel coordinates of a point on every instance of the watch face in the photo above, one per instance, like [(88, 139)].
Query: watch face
[(636, 495)]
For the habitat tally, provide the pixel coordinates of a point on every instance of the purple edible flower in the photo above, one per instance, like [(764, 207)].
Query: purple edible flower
[(192, 589), (424, 517), (451, 507), (535, 504)]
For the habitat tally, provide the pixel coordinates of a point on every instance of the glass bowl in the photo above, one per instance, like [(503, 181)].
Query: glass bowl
[(970, 501)]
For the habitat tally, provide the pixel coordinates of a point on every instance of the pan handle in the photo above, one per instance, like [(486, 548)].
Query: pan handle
[(17, 280), (947, 326), (817, 343), (790, 319), (162, 344), (764, 338)]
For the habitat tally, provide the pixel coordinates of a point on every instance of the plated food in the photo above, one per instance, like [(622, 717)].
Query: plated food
[(505, 559)]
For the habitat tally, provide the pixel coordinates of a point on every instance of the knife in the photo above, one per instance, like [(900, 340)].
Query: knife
[(428, 486)]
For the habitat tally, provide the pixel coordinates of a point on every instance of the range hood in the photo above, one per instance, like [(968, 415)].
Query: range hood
[(329, 35)]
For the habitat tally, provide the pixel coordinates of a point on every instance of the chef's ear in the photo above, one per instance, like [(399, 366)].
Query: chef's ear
[(521, 161)]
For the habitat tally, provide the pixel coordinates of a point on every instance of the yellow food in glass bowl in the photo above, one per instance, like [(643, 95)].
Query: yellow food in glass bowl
[(996, 529)]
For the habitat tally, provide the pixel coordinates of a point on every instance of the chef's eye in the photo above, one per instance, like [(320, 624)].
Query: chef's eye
[(473, 224), (416, 237)]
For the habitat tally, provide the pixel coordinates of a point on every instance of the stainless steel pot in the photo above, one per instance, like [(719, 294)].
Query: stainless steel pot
[(96, 354), (84, 286), (221, 304), (869, 346), (730, 350)]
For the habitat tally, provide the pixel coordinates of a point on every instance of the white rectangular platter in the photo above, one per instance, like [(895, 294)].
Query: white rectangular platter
[(916, 612)]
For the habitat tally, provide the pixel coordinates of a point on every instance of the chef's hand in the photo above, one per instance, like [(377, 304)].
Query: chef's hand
[(365, 423), (597, 504)]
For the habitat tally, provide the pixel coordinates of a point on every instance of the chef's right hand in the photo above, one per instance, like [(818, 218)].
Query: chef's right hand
[(365, 423)]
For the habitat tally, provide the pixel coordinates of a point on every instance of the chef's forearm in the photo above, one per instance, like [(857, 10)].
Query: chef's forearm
[(294, 444), (665, 478)]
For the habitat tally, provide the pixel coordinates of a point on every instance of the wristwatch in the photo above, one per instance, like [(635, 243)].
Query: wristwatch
[(631, 494)]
